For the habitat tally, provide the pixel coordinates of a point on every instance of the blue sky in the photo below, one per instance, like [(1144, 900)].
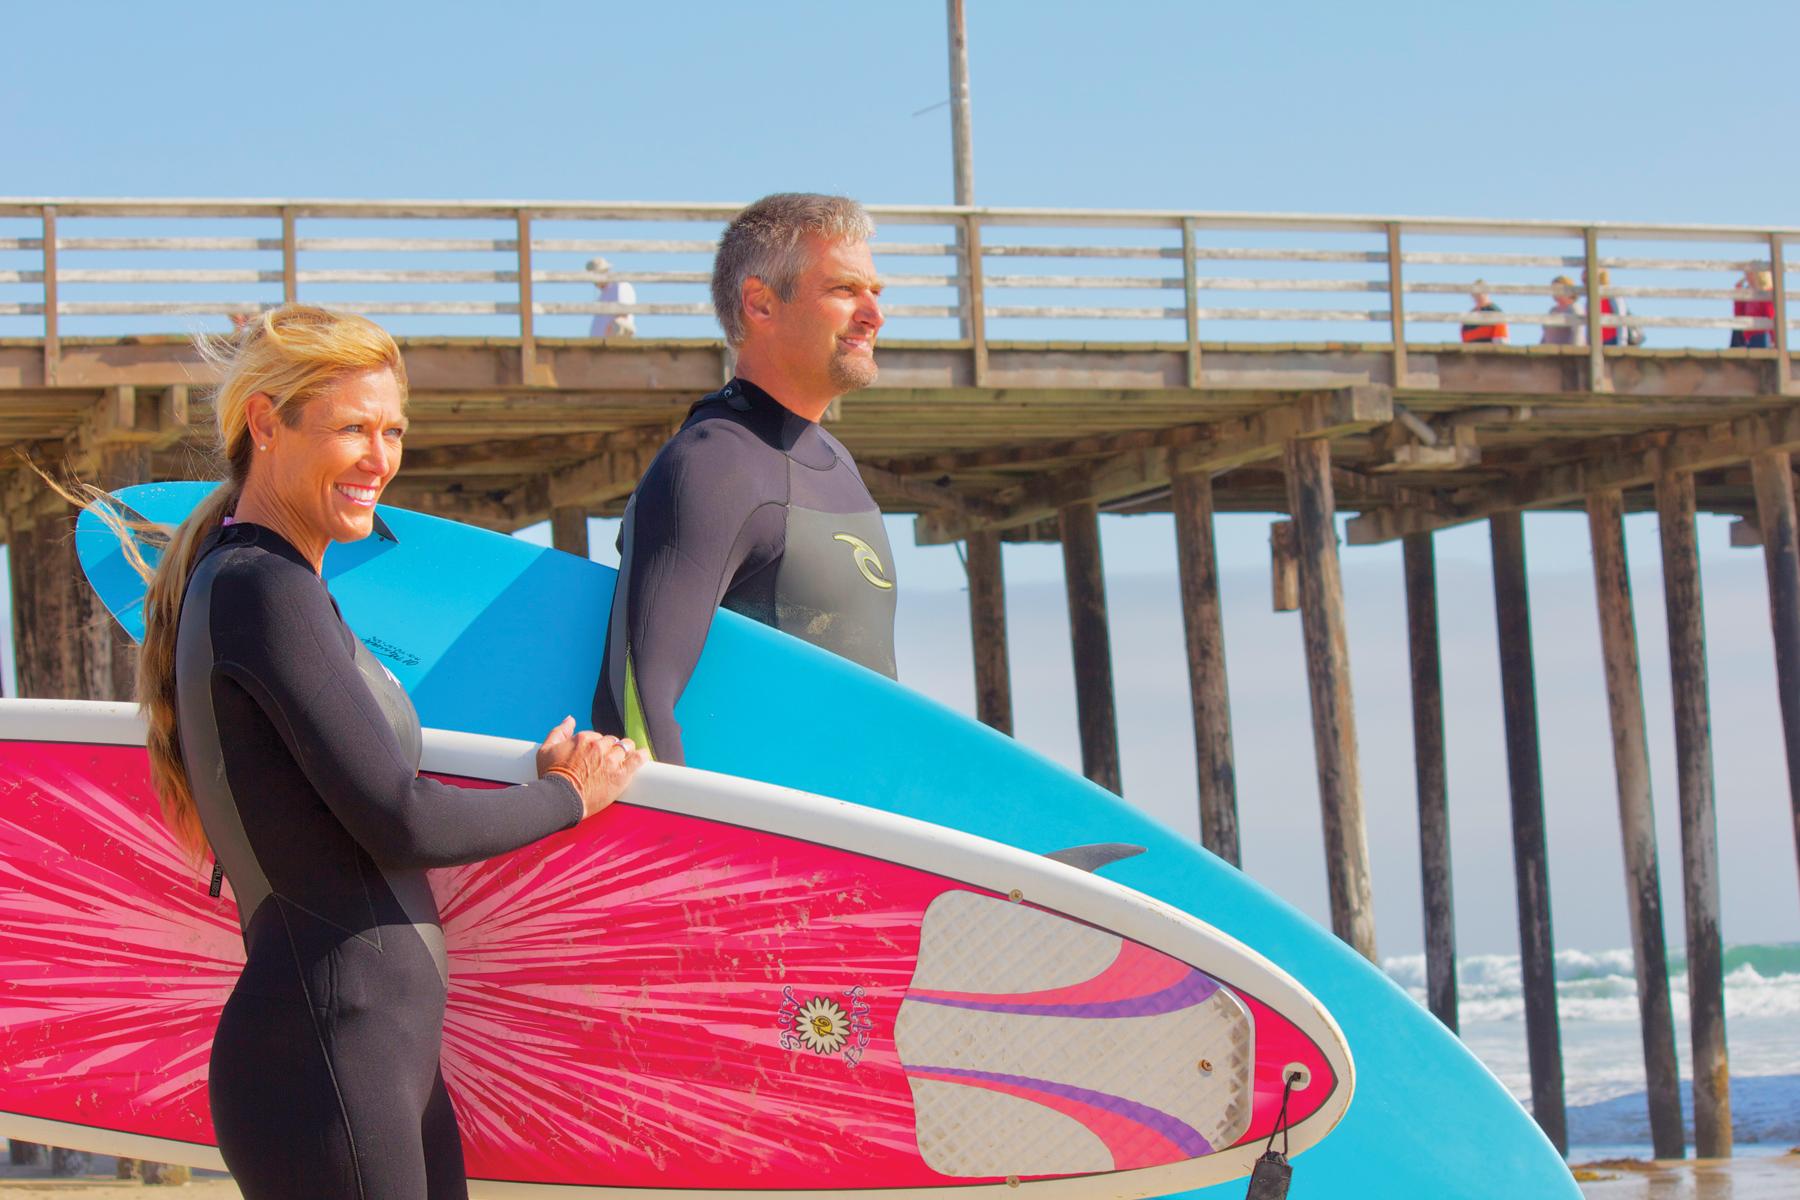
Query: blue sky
[(1600, 110), (1529, 110)]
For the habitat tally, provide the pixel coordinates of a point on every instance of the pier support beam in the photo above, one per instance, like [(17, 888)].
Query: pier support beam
[(66, 645), (569, 529), (1531, 868), (21, 558), (987, 631), (1637, 818), (51, 666), (1313, 508), (1699, 827), (1203, 620), (1431, 775), (1772, 473), (1092, 643)]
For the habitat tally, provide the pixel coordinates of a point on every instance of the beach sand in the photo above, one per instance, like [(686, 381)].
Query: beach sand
[(1760, 1177)]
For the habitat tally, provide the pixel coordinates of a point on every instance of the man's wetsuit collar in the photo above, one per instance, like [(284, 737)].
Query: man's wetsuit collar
[(744, 396)]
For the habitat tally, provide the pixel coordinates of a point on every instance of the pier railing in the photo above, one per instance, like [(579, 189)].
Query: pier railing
[(76, 267)]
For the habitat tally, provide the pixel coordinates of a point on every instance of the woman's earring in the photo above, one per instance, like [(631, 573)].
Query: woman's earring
[(264, 446)]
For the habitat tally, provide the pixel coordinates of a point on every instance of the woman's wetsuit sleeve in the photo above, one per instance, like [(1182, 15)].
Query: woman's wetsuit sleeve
[(686, 538), (276, 635)]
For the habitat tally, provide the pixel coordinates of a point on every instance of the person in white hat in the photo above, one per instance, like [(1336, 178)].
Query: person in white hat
[(612, 291)]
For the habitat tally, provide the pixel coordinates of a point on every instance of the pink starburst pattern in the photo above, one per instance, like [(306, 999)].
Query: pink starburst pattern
[(645, 964), (114, 962), (617, 992)]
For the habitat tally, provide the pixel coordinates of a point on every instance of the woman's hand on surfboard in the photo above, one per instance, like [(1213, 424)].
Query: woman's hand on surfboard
[(597, 764)]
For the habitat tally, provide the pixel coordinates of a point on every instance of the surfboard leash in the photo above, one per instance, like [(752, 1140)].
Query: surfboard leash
[(1269, 1179)]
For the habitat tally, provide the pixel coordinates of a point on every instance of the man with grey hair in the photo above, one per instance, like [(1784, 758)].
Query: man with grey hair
[(752, 504)]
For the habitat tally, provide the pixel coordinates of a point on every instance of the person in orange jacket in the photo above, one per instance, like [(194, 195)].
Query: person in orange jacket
[(1474, 330)]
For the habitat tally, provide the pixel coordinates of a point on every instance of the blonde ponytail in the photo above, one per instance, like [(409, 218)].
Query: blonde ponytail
[(156, 694)]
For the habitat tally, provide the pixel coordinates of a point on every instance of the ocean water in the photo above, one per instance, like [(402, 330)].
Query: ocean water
[(1603, 1057)]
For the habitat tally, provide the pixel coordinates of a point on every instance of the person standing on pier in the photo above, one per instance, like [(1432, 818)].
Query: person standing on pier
[(1754, 283), (752, 504), (610, 290), (1478, 327), (1570, 332)]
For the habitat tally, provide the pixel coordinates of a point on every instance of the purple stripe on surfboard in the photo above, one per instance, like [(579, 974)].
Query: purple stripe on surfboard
[(1196, 988), (1192, 1142)]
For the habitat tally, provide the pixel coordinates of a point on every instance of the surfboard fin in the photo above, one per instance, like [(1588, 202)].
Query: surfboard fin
[(131, 515), (382, 531), (1095, 855)]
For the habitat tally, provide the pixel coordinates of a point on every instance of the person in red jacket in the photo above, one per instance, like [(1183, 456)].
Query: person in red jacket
[(1754, 282), (1609, 334)]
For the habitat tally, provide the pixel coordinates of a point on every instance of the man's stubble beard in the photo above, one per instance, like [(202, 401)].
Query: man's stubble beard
[(851, 373)]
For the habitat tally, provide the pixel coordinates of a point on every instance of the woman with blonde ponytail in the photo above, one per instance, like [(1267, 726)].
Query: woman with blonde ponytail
[(281, 745)]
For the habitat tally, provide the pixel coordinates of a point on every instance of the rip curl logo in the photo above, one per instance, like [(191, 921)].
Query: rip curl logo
[(825, 1026), (867, 561)]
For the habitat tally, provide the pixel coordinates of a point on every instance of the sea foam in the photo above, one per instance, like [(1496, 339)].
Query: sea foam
[(1760, 982)]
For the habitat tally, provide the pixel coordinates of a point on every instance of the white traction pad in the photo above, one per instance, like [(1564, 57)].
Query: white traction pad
[(1038, 1045)]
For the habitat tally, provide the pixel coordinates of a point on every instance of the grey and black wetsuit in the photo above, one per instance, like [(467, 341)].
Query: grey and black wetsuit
[(303, 755), (755, 508)]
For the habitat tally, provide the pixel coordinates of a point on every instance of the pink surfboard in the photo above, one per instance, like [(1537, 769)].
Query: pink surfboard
[(715, 986)]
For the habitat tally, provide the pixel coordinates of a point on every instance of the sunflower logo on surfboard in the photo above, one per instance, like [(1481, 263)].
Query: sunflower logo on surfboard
[(825, 1026)]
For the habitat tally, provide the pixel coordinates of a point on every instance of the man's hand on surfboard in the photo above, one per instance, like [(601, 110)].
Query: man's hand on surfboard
[(598, 764)]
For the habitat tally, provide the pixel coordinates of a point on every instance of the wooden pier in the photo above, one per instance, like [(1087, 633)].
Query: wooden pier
[(1040, 367)]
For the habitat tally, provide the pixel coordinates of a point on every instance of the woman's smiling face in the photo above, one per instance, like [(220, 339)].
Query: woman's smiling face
[(327, 471)]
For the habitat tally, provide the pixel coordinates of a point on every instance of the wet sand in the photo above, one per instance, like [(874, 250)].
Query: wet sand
[(101, 1180), (1762, 1177)]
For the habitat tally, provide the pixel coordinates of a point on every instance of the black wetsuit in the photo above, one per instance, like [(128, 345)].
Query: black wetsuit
[(755, 508), (303, 755)]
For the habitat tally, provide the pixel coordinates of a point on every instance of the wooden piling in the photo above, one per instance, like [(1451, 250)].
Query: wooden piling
[(46, 647), (66, 645), (65, 1163), (987, 631), (1284, 567), (56, 655), (1531, 868), (1092, 644), (1699, 827), (1203, 620), (1431, 776), (1772, 473), (21, 557), (569, 530), (1637, 819), (1313, 509)]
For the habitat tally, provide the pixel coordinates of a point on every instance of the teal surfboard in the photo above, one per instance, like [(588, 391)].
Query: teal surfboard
[(494, 635)]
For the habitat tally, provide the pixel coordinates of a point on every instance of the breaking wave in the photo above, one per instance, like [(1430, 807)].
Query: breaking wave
[(1760, 981)]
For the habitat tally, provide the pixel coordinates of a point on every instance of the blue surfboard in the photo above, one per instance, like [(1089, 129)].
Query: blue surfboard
[(495, 635)]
